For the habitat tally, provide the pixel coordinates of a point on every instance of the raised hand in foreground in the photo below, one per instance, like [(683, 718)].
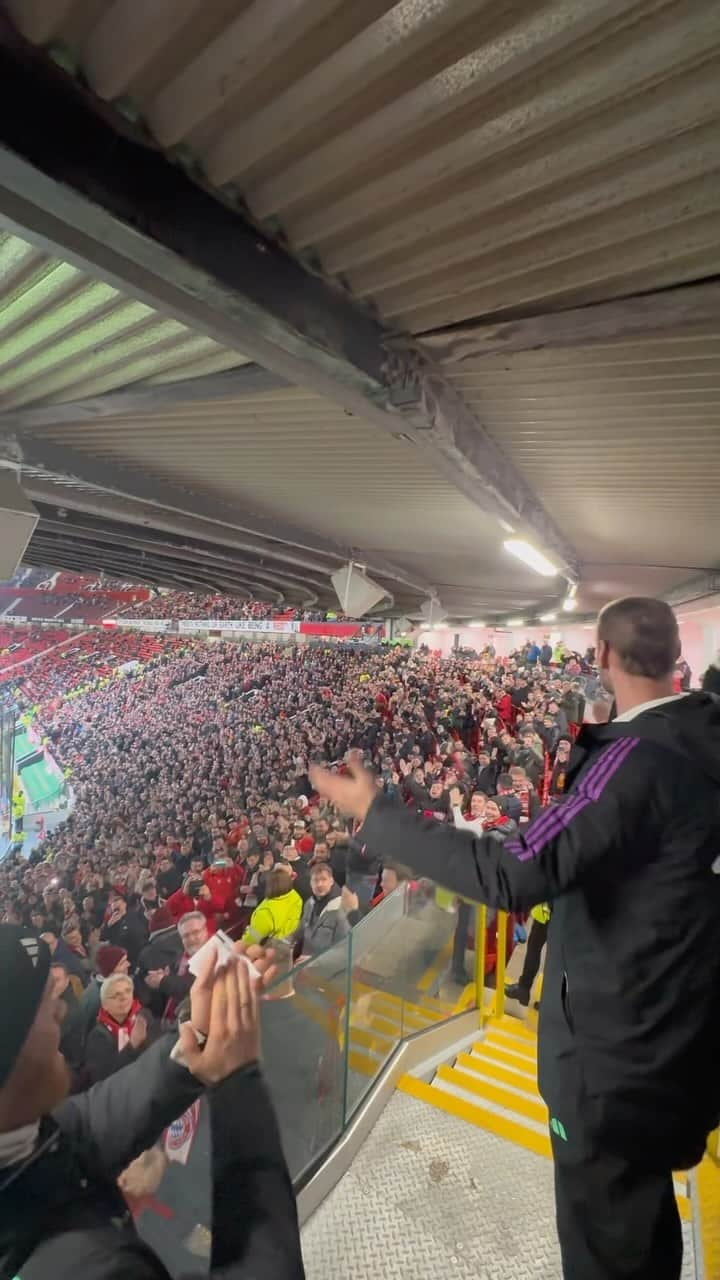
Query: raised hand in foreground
[(352, 792), (224, 1009)]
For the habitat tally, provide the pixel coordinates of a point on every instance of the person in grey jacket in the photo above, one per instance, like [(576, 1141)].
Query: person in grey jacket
[(61, 1211), (323, 920)]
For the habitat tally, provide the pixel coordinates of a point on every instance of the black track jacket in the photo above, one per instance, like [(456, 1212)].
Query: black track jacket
[(630, 859)]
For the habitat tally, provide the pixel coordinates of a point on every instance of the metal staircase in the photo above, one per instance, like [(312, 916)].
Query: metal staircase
[(494, 1087)]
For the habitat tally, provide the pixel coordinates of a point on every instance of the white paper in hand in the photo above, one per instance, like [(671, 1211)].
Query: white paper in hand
[(222, 945)]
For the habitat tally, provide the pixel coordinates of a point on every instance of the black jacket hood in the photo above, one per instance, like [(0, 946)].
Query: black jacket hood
[(689, 726)]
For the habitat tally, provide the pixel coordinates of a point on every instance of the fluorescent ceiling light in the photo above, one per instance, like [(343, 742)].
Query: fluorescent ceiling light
[(530, 556), (572, 590), (515, 622), (476, 623), (569, 605), (548, 617), (504, 525)]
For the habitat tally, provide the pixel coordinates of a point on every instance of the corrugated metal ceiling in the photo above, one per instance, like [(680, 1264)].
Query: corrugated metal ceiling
[(449, 158), (621, 441), (297, 456), (449, 161), (64, 336)]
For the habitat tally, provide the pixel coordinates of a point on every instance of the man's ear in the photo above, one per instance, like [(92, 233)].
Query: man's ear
[(603, 655)]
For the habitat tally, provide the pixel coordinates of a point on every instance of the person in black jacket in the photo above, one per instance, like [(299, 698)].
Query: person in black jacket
[(164, 945), (61, 1211), (629, 1034), (124, 929), (121, 1029)]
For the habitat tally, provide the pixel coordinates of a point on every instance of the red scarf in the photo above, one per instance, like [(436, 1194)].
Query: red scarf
[(120, 1030)]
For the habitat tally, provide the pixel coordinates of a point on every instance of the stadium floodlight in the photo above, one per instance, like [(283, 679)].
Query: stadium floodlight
[(530, 556), (515, 622), (569, 604), (476, 622), (548, 617)]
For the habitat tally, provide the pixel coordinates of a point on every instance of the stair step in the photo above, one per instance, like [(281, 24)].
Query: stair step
[(426, 1006), (513, 1044), (482, 1117), (369, 1039), (492, 1071), (364, 1065), (521, 1132), (515, 1028), (511, 1100), (513, 1061)]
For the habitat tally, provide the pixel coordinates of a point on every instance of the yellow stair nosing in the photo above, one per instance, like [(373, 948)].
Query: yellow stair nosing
[(502, 1041), (509, 1130), (484, 1067), (523, 1105), (435, 1010), (369, 1039), (492, 1052), (501, 1126), (363, 1065), (514, 1027)]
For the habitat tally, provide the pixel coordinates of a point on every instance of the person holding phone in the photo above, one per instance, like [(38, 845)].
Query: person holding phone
[(124, 928), (194, 895)]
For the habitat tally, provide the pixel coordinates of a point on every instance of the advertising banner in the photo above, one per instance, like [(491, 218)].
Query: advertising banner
[(141, 624), (267, 625)]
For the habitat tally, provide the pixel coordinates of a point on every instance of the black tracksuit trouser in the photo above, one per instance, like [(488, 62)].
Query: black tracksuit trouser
[(616, 1220)]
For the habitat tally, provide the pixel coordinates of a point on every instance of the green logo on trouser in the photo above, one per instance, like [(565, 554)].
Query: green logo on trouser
[(558, 1129)]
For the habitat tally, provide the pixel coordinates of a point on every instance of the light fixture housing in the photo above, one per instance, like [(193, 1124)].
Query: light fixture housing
[(530, 556)]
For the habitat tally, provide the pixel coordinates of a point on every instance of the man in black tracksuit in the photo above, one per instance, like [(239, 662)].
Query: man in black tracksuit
[(629, 1036)]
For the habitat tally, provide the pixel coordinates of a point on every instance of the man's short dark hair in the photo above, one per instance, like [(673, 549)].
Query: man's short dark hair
[(643, 633), (504, 780)]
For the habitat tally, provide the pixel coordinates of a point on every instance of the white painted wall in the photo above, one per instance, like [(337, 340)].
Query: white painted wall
[(699, 634)]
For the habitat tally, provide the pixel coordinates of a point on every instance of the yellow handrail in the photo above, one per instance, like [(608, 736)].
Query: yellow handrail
[(480, 954), (502, 928)]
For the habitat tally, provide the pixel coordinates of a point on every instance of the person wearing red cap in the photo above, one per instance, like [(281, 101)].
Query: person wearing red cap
[(61, 1211), (163, 947), (108, 960)]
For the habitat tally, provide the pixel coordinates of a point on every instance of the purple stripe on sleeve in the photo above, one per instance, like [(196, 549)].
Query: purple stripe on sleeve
[(556, 820), (590, 788), (548, 819)]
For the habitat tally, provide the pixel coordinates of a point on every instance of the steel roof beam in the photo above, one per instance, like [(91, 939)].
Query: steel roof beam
[(248, 380), (118, 208), (152, 542), (646, 315), (84, 555), (184, 512), (705, 584)]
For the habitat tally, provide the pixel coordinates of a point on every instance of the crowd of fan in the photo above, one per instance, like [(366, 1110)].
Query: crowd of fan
[(178, 605), (193, 807), (66, 663)]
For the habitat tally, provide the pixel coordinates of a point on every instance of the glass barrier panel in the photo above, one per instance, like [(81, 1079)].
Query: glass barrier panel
[(168, 1190), (303, 1035), (375, 1013)]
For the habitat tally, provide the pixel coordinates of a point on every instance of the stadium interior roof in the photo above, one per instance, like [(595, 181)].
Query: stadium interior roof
[(293, 282)]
